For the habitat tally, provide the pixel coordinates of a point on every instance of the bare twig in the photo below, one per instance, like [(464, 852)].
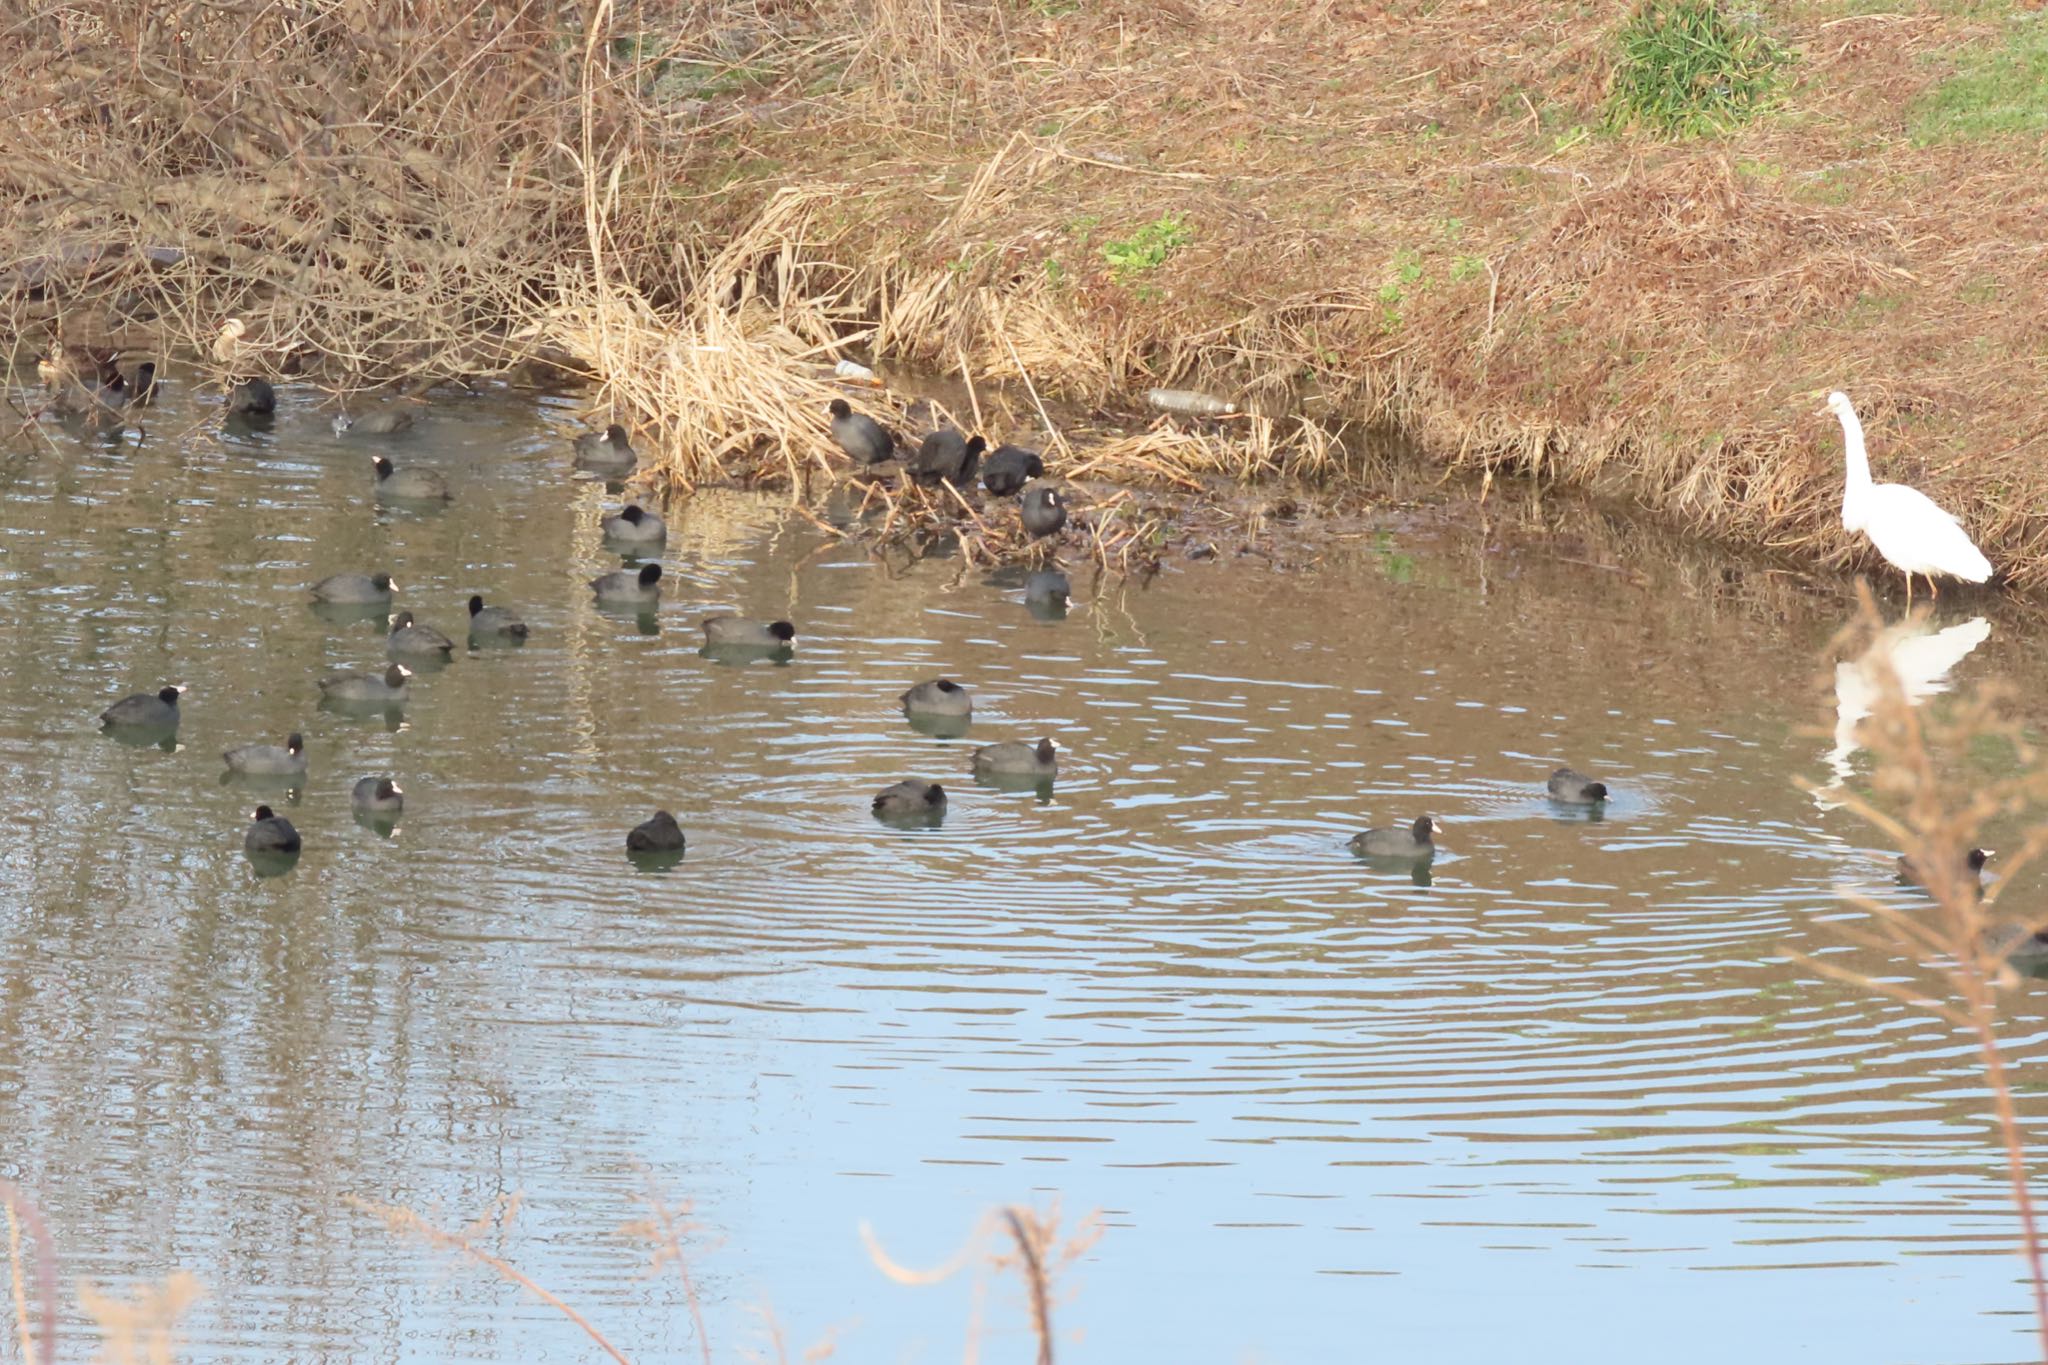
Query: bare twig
[(403, 1220), (40, 1345)]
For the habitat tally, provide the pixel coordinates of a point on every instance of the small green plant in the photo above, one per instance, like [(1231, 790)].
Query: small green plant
[(1408, 275), (1980, 289), (1691, 67), (1467, 268), (1147, 248), (1997, 92), (1868, 307), (669, 78), (1397, 565)]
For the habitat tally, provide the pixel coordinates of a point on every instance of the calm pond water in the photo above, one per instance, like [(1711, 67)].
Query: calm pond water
[(1564, 1099)]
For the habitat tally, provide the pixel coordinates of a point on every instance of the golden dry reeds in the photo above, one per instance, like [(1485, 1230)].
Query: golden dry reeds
[(733, 381), (1930, 801)]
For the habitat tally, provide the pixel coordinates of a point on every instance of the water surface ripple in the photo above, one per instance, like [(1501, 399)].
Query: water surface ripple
[(1568, 1074)]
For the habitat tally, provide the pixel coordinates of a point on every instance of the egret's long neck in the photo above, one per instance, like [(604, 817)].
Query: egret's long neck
[(1853, 451), (1856, 487)]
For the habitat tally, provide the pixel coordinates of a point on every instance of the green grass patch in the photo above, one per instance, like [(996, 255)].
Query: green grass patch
[(1690, 68), (1408, 275), (1147, 248), (1980, 289), (668, 79), (1995, 92)]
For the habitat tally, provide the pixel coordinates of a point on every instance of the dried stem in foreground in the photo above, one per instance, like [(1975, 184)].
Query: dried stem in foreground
[(403, 1220), (20, 1210), (664, 1229), (1031, 1236), (142, 1329), (1039, 1257)]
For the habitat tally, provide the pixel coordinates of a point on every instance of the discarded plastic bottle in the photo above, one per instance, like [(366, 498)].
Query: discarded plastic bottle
[(858, 373), (1189, 403)]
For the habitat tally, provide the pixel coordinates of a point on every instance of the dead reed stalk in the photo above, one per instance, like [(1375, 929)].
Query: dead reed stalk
[(41, 1346), (404, 1221), (142, 1329), (1031, 1238), (1932, 813), (663, 1230), (1038, 1254)]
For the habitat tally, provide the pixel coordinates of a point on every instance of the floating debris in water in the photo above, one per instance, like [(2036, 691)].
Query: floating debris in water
[(1189, 403)]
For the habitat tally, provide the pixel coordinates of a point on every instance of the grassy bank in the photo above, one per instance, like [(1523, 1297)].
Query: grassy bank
[(1546, 240)]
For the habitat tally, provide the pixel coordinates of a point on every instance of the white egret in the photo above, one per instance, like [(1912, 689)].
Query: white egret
[(1913, 534)]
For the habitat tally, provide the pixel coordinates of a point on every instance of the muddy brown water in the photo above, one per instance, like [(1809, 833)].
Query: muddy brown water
[(1560, 1099)]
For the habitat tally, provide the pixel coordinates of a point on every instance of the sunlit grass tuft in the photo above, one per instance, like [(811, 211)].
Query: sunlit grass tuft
[(1995, 92), (1692, 68)]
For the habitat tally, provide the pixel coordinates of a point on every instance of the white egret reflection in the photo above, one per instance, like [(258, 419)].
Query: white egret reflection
[(1921, 658)]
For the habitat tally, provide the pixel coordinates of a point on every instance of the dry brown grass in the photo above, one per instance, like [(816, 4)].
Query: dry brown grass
[(1607, 312), (1393, 212), (1595, 311), (1930, 799)]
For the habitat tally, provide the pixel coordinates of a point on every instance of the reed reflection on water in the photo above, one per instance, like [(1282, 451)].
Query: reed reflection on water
[(1326, 1106)]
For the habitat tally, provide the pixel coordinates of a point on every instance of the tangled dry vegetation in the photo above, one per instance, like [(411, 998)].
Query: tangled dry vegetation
[(1335, 212)]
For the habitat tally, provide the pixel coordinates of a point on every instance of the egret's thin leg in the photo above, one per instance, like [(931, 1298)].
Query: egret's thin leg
[(1933, 588), (1909, 590)]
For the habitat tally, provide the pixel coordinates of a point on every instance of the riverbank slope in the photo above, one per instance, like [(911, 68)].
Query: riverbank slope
[(1432, 215)]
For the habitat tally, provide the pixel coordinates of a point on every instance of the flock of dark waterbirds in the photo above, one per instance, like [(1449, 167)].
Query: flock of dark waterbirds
[(945, 456), (90, 384)]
